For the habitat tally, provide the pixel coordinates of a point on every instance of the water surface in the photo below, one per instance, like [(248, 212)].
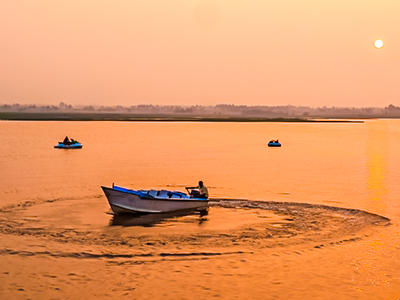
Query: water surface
[(56, 235)]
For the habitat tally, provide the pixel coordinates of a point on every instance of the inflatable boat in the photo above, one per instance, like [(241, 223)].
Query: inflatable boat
[(71, 146), (274, 144)]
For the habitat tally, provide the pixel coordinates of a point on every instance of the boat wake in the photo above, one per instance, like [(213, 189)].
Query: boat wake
[(232, 227)]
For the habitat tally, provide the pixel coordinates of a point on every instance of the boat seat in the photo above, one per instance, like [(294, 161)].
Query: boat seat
[(175, 196), (163, 194), (153, 193)]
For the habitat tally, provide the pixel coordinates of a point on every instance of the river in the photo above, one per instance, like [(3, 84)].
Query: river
[(317, 218)]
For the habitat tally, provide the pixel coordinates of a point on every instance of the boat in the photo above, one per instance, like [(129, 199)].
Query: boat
[(274, 143), (61, 145), (123, 200)]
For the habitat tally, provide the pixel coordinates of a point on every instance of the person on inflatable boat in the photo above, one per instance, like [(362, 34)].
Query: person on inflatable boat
[(66, 141)]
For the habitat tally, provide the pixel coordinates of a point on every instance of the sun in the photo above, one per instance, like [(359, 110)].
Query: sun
[(378, 44)]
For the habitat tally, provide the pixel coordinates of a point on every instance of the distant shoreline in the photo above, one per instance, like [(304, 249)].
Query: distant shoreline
[(28, 116)]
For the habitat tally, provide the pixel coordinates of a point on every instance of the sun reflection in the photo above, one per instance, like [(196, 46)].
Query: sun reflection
[(377, 166), (373, 263)]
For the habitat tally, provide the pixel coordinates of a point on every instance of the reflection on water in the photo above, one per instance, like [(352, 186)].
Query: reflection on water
[(377, 152), (150, 220), (373, 262)]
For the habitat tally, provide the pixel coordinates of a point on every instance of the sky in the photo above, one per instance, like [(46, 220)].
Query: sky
[(186, 52)]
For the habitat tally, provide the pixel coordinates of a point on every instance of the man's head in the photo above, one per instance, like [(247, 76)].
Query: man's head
[(200, 183)]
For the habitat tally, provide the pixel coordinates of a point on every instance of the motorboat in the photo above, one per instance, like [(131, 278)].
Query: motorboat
[(61, 145), (274, 143), (123, 200)]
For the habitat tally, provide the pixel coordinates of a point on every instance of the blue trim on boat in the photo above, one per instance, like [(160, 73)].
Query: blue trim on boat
[(144, 194), (140, 194)]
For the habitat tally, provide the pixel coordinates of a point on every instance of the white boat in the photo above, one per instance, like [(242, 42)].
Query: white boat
[(124, 200)]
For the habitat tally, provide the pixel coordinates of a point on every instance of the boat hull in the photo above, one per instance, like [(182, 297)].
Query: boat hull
[(125, 202), (73, 146), (274, 145)]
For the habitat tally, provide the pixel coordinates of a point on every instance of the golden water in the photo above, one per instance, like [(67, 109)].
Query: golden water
[(61, 243)]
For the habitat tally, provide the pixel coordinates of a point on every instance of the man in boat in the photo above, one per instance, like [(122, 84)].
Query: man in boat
[(66, 141), (199, 191)]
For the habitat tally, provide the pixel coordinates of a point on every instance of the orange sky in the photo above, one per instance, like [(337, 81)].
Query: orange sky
[(265, 52)]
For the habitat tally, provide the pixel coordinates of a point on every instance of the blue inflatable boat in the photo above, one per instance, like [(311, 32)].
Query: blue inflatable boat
[(274, 143), (71, 146)]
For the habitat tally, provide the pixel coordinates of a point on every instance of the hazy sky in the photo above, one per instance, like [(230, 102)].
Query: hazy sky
[(265, 52)]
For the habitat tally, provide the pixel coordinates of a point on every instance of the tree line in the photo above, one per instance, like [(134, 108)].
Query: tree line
[(230, 110)]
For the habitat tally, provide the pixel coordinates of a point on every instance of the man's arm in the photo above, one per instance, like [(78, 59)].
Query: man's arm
[(191, 187)]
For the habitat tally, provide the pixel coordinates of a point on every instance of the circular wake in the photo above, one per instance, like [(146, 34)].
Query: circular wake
[(243, 225)]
